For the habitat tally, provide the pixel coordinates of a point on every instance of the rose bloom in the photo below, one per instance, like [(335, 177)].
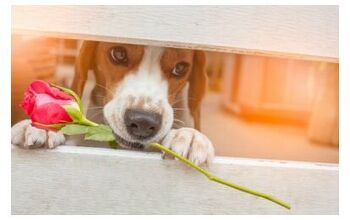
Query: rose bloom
[(45, 104)]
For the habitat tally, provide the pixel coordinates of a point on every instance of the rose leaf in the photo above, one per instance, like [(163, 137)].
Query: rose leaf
[(74, 129), (102, 136)]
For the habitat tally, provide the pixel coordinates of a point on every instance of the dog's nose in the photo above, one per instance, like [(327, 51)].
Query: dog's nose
[(142, 124)]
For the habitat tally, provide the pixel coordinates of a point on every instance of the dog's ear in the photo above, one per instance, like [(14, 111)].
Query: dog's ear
[(197, 87), (83, 63)]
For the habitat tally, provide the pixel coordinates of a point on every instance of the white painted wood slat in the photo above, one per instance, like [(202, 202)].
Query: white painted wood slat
[(306, 32), (85, 180)]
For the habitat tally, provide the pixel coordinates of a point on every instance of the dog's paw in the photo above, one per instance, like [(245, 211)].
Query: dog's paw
[(54, 139), (191, 144), (23, 134)]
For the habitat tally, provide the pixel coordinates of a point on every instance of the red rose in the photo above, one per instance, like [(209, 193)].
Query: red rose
[(46, 105)]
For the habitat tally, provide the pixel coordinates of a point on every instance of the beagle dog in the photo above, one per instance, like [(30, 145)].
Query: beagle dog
[(143, 93)]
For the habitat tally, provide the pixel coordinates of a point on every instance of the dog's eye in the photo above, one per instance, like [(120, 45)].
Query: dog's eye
[(118, 55), (180, 69)]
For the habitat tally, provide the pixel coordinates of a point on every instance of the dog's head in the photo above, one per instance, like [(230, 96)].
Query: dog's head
[(137, 86)]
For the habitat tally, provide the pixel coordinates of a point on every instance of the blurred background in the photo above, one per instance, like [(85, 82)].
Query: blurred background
[(256, 106)]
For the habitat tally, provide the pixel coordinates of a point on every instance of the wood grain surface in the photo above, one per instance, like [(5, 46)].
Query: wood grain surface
[(85, 180), (302, 32)]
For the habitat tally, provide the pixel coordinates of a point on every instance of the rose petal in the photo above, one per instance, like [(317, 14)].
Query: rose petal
[(28, 103), (42, 87), (42, 99), (50, 113)]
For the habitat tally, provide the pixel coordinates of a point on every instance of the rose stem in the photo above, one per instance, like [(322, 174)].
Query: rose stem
[(219, 180), (85, 121)]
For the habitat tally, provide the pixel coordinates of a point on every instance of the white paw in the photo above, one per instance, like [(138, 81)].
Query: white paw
[(191, 144), (34, 137), (23, 134), (54, 139)]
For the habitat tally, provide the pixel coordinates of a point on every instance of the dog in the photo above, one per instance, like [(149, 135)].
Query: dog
[(138, 89)]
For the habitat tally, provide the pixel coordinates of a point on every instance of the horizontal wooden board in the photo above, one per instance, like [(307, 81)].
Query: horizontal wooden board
[(302, 32), (86, 180)]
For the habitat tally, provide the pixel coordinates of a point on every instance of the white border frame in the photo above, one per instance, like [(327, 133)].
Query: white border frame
[(5, 22)]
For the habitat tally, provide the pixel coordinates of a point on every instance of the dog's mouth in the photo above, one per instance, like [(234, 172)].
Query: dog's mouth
[(128, 144)]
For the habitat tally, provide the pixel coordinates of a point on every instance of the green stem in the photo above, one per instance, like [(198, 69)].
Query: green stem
[(219, 180), (85, 121)]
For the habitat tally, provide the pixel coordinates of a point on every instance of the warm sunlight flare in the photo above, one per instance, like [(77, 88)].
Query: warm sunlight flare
[(248, 96)]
